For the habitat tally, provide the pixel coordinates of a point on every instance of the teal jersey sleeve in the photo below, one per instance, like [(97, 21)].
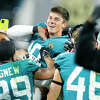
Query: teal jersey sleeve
[(16, 80), (27, 65), (34, 50), (79, 83)]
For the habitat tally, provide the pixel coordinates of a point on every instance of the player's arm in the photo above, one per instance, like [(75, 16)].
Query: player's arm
[(46, 73), (20, 30), (55, 86)]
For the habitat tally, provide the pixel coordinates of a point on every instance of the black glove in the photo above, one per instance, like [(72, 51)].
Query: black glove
[(44, 52), (96, 13), (68, 45)]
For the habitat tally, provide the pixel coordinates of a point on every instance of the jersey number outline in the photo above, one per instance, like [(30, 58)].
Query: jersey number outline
[(34, 48), (16, 92), (80, 88)]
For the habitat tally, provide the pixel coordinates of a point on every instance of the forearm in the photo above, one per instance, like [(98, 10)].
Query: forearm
[(46, 73), (54, 92), (55, 89), (49, 61)]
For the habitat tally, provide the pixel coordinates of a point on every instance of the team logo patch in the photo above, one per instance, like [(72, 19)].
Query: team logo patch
[(51, 45)]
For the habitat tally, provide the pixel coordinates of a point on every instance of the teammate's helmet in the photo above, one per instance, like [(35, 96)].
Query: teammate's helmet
[(7, 49)]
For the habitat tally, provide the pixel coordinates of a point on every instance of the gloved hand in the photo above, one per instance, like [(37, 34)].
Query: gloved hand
[(44, 52), (32, 57), (68, 45)]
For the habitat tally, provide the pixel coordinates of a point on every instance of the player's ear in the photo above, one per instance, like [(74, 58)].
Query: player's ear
[(64, 25)]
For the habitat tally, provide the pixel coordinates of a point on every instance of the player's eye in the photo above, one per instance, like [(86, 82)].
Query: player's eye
[(57, 19), (50, 17)]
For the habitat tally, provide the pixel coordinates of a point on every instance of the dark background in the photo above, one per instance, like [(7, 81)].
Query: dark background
[(7, 9)]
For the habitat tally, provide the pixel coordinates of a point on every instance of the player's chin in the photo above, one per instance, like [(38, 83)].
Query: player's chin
[(51, 28), (52, 31)]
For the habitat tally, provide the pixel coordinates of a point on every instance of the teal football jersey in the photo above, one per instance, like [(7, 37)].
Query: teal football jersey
[(16, 80), (79, 83), (55, 44)]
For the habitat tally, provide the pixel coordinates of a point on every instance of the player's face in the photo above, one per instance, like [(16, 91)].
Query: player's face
[(55, 23)]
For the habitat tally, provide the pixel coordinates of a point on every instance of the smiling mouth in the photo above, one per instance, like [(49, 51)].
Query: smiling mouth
[(52, 26)]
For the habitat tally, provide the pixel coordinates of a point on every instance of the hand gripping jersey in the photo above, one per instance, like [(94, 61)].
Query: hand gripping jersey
[(79, 83), (16, 80), (55, 44)]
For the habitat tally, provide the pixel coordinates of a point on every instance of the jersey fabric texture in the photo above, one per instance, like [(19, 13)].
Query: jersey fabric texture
[(79, 83), (16, 80)]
